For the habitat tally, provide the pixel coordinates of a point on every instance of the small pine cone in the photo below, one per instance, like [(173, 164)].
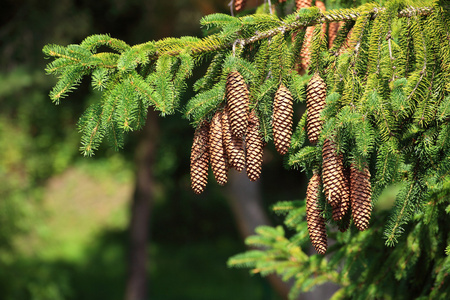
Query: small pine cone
[(200, 158), (234, 146), (239, 4), (254, 148), (341, 210), (314, 218), (332, 32), (217, 151), (238, 100), (302, 3), (332, 173), (316, 93), (360, 194), (282, 119)]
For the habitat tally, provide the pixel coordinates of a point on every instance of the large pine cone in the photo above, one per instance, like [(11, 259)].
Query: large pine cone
[(254, 148), (282, 119), (217, 151), (200, 158), (239, 4), (360, 194), (234, 146), (314, 218), (332, 173), (316, 93), (238, 100)]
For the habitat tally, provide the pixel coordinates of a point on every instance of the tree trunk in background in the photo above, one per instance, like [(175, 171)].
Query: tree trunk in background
[(136, 288), (245, 200)]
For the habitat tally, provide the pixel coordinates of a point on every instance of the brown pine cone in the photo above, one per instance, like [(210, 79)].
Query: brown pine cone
[(238, 100), (302, 3), (254, 148), (316, 92), (282, 119), (360, 195), (341, 210), (332, 32), (332, 173), (306, 51), (234, 146), (217, 151), (314, 218), (320, 5), (200, 158), (239, 4)]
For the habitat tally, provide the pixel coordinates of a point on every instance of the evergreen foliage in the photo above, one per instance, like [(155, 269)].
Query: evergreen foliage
[(387, 107)]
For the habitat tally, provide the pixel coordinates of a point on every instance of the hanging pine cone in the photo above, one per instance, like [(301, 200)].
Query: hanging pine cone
[(282, 119), (254, 148), (217, 151), (302, 3), (200, 158), (305, 53), (239, 4), (316, 92), (320, 5), (341, 210), (234, 146), (360, 194), (314, 218), (238, 100), (332, 32), (332, 173)]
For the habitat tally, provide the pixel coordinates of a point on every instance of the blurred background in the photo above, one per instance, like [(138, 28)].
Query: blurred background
[(120, 225)]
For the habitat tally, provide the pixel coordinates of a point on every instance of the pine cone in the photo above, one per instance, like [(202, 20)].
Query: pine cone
[(320, 5), (306, 51), (234, 146), (200, 158), (302, 3), (316, 93), (360, 194), (282, 119), (254, 148), (314, 218), (341, 210), (332, 32), (217, 151), (238, 100), (239, 4), (332, 173)]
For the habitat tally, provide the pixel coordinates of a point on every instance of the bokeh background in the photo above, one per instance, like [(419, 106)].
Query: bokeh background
[(78, 228)]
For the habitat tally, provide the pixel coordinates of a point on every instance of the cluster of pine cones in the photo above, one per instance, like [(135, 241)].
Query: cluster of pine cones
[(347, 190), (233, 139)]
